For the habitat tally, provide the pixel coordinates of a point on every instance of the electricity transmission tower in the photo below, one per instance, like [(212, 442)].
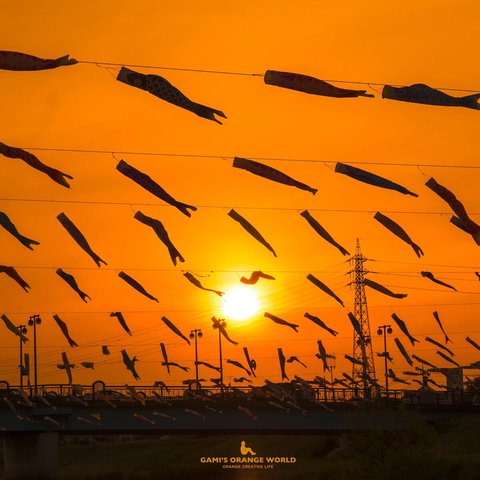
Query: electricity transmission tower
[(364, 371)]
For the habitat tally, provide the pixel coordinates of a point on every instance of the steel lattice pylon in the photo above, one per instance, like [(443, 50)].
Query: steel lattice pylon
[(362, 345)]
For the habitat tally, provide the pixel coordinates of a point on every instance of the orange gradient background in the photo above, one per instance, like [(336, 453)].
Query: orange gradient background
[(83, 107)]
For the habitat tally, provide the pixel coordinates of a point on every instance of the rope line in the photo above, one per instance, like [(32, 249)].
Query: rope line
[(223, 157), (224, 207), (251, 74)]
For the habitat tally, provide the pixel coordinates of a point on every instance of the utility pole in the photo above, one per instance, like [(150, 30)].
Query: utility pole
[(33, 321), (362, 344), (196, 333), (221, 323), (26, 363), (331, 364), (22, 329), (384, 329)]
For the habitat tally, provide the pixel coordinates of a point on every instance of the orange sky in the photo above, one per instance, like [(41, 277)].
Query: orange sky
[(84, 107)]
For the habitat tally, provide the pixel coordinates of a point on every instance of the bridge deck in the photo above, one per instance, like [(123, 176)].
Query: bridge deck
[(149, 410)]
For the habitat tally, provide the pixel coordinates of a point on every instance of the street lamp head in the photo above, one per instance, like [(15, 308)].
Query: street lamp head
[(192, 335), (389, 330), (24, 330), (331, 361), (34, 320), (379, 331), (200, 334)]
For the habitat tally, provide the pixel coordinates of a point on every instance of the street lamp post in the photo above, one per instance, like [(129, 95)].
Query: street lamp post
[(331, 364), (383, 330), (221, 323), (33, 321), (196, 333), (22, 329)]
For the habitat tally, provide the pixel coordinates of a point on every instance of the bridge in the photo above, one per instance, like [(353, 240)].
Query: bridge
[(32, 422)]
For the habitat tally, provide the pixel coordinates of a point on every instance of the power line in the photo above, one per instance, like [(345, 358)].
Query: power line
[(408, 287), (476, 267), (223, 157), (405, 272), (417, 275), (249, 74), (282, 310)]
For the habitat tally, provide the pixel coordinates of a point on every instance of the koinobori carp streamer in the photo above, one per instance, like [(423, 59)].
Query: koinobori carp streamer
[(397, 230), (462, 220), (255, 276), (270, 173), (321, 323), (250, 229), (162, 234), (163, 89), (64, 329), (371, 178), (324, 288), (437, 319), (79, 238), (10, 227), (153, 187), (15, 330), (432, 277), (70, 280), (382, 289), (24, 62), (403, 327), (134, 284), (191, 278), (14, 275), (308, 84), (421, 93), (34, 162), (281, 321), (281, 359), (130, 364), (121, 320), (174, 329), (322, 232)]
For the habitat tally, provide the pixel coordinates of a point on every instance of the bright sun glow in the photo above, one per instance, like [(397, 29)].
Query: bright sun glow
[(240, 303)]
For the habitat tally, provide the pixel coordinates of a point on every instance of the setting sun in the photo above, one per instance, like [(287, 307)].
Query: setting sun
[(240, 303)]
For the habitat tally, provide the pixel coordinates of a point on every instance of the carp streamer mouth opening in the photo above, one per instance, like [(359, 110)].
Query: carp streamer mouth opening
[(240, 303)]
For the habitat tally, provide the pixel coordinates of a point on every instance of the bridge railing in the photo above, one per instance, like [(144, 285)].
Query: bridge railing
[(159, 391)]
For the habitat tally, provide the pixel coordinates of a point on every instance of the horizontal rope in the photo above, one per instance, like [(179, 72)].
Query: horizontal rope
[(248, 74), (223, 157), (225, 207)]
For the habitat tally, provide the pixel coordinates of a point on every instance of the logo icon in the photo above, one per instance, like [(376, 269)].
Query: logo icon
[(244, 450)]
